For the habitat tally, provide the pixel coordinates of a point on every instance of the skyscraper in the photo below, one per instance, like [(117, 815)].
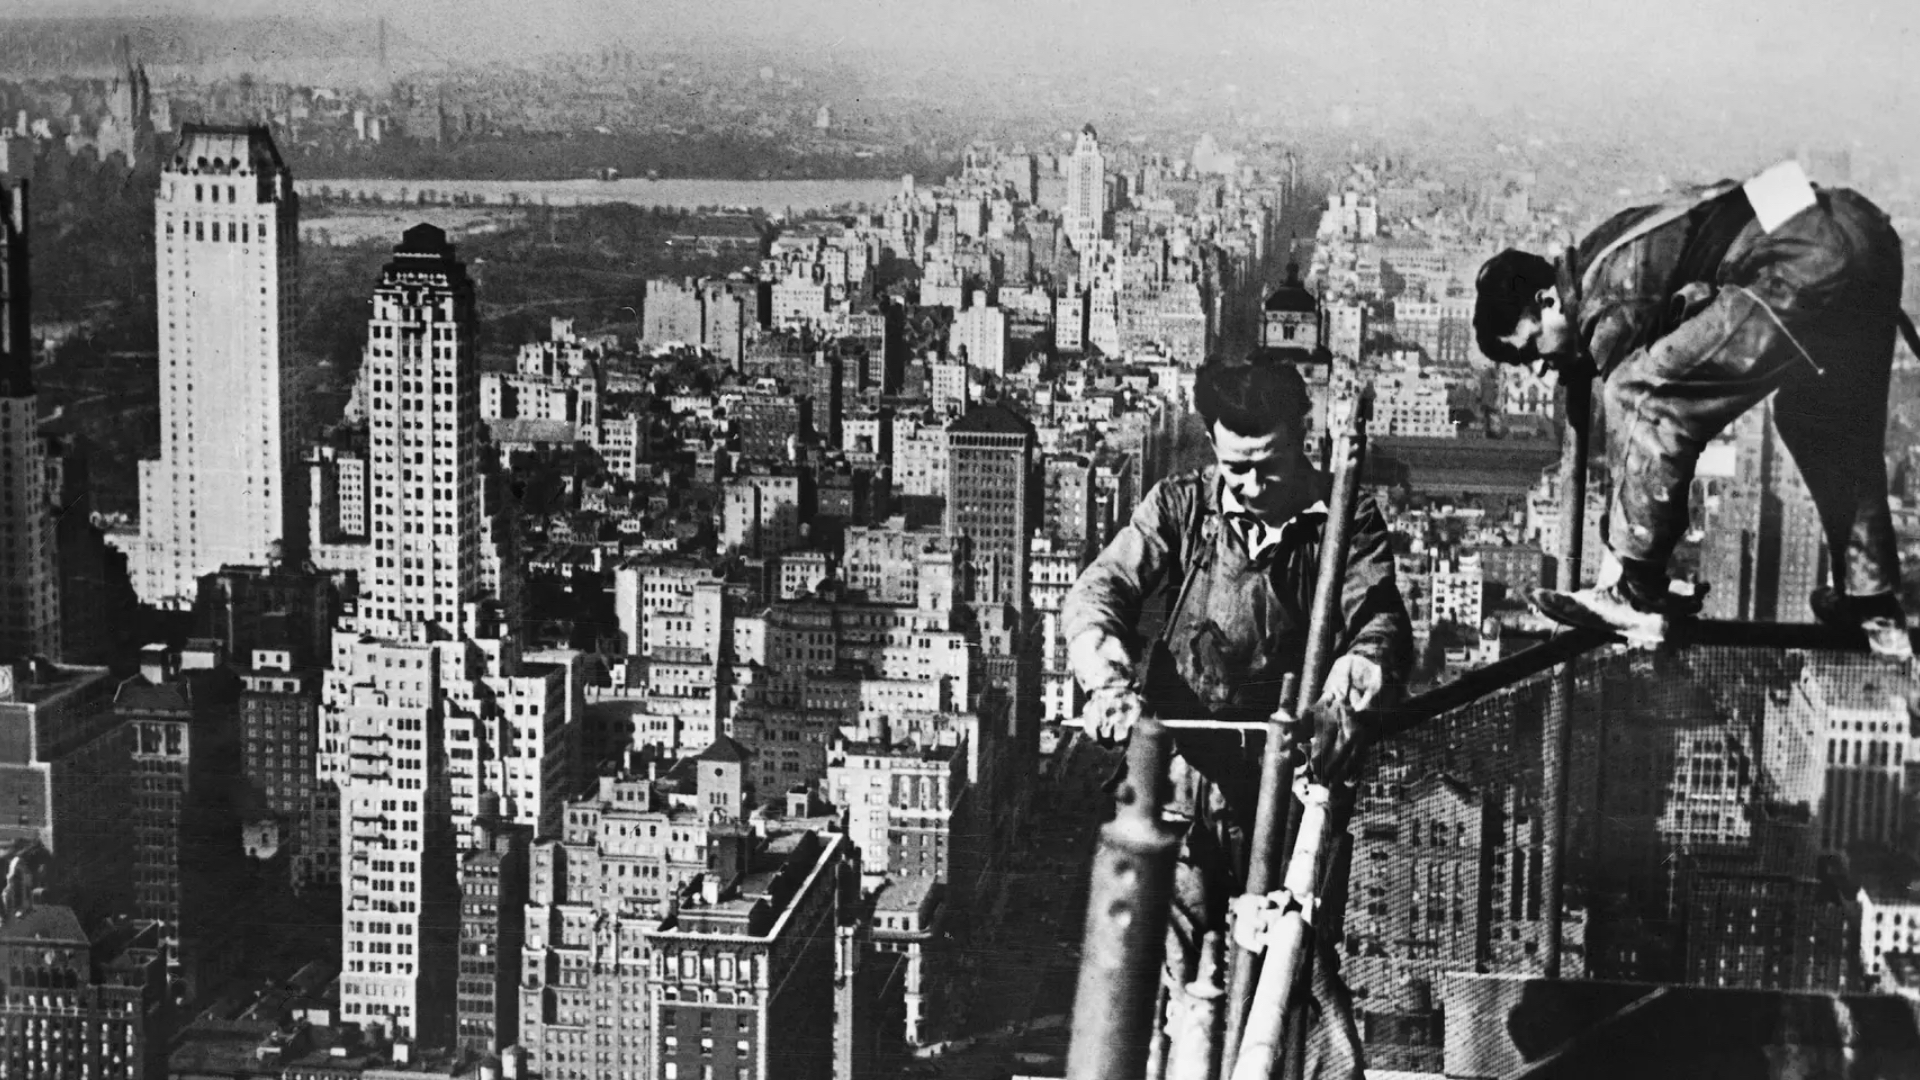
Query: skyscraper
[(1086, 211), (424, 411), (990, 459), (1762, 546), (29, 587), (1727, 490), (227, 278), (426, 703)]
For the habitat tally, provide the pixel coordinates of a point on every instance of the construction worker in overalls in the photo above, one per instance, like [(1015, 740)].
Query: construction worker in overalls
[(1692, 312), (1236, 547)]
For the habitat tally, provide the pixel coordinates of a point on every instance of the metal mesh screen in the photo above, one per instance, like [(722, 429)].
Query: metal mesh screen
[(1713, 795)]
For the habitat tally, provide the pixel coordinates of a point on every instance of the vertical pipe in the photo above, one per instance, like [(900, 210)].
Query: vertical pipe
[(1276, 780), (1270, 1017), (1325, 623), (1196, 1047), (1157, 1054), (1329, 924), (1125, 939), (1558, 744), (1349, 451), (1323, 626)]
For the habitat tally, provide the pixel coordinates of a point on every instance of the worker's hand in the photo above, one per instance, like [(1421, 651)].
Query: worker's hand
[(1326, 740), (1100, 661), (1110, 714), (1353, 681)]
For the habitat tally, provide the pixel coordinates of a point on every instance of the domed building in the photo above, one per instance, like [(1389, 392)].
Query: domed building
[(1293, 330), (1291, 320)]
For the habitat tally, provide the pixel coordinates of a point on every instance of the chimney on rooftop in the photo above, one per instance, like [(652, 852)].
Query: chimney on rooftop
[(157, 663)]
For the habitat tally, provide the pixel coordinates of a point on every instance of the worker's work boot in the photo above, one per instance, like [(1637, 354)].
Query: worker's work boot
[(1879, 617), (1631, 599)]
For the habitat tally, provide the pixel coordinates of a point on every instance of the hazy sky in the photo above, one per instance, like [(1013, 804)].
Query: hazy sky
[(1847, 61)]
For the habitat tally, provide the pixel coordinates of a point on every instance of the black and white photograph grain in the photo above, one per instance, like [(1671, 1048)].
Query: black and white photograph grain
[(959, 540)]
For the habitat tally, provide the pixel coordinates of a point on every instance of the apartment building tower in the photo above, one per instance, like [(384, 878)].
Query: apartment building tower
[(227, 273), (29, 583), (988, 479), (1086, 209), (426, 704)]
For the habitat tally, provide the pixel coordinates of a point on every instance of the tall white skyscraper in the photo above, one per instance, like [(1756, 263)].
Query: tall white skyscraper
[(1086, 212), (29, 586), (427, 702), (226, 228)]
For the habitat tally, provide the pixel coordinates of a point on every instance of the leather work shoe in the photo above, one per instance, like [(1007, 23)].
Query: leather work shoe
[(1603, 607), (1879, 617)]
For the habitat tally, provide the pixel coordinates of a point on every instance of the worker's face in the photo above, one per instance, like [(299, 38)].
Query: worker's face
[(1546, 332), (1259, 469)]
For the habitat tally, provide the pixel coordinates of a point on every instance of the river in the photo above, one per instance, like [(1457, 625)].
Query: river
[(772, 196)]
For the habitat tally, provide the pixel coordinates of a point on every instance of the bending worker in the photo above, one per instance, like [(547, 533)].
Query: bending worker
[(1691, 313), (1235, 547)]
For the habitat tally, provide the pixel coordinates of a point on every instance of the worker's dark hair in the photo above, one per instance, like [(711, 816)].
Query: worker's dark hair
[(1508, 286), (1251, 397)]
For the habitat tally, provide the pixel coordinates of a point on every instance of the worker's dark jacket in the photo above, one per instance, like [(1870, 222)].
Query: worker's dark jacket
[(1235, 627), (1705, 239), (1694, 311)]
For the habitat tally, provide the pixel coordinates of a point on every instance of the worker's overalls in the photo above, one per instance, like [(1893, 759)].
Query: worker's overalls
[(1690, 330), (1237, 628)]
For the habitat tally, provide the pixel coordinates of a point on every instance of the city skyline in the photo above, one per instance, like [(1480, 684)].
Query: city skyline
[(598, 641), (1772, 65)]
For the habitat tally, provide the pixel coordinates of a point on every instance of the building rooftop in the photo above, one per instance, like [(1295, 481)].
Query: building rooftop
[(1843, 688), (49, 922), (222, 1048), (37, 681), (725, 748), (1292, 295), (906, 892), (991, 420), (530, 431), (137, 694), (913, 751), (222, 147)]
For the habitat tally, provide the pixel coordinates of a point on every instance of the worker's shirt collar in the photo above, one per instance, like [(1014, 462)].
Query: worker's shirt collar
[(1256, 535)]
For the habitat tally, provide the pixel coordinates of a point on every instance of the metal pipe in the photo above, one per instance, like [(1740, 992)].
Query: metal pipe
[(1125, 939), (1473, 685), (1268, 1019), (1330, 918), (1276, 780), (1196, 1044), (1558, 741), (1162, 1045), (1324, 622)]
